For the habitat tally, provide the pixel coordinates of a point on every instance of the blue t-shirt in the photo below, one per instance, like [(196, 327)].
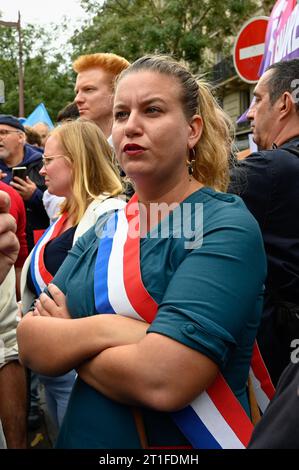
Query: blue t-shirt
[(209, 291)]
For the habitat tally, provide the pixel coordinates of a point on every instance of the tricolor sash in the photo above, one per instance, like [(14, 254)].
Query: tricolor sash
[(40, 276), (215, 419), (261, 381)]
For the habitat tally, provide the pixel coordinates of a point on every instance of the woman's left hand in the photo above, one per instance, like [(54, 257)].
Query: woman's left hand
[(55, 307)]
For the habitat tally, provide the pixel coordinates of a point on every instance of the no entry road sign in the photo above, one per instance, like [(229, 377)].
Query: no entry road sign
[(249, 48)]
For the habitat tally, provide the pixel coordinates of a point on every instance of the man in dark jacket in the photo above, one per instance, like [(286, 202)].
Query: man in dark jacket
[(15, 152), (278, 428), (268, 183)]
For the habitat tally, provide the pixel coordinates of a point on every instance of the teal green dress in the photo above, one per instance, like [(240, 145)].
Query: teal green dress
[(209, 289)]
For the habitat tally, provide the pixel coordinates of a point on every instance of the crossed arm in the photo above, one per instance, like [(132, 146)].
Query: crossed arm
[(114, 355), (52, 343)]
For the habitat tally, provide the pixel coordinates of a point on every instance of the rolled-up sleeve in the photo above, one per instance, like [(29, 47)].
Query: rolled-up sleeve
[(213, 294)]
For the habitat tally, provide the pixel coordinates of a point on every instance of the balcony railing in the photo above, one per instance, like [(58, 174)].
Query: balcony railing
[(223, 70)]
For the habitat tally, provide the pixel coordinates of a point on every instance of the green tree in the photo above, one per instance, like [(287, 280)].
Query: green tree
[(9, 68), (45, 79), (183, 28), (267, 6)]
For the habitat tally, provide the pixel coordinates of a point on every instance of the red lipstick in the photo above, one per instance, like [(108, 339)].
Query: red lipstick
[(133, 149)]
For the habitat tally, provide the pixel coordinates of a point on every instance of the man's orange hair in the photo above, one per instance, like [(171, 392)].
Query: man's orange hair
[(111, 63)]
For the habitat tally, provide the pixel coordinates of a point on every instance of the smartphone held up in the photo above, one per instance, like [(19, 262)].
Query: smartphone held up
[(20, 172)]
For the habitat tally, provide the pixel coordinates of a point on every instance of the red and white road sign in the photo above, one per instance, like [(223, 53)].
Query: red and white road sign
[(249, 48)]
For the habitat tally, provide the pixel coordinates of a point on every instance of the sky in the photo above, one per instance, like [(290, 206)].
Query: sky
[(41, 11), (45, 13)]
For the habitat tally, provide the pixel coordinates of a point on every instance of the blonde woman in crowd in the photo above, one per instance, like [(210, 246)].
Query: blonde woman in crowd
[(77, 164)]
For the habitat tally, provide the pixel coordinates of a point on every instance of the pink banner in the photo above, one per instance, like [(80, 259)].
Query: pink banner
[(282, 37)]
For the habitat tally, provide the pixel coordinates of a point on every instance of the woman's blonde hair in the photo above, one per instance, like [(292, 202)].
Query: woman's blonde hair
[(211, 154), (92, 162)]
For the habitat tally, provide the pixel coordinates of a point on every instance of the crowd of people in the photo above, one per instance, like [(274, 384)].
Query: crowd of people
[(162, 276)]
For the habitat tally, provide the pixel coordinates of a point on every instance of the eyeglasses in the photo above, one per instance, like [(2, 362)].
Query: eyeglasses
[(4, 132), (47, 160)]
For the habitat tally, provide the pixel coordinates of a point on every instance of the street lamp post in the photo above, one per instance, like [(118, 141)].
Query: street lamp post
[(17, 25)]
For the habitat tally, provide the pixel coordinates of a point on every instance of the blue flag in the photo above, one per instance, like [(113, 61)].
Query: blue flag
[(40, 114)]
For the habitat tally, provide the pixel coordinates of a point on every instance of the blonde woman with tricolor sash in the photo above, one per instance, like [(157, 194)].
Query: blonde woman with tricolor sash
[(77, 164), (165, 295)]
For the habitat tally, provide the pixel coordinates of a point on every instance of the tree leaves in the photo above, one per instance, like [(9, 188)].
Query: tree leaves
[(44, 79), (190, 30), (186, 29)]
